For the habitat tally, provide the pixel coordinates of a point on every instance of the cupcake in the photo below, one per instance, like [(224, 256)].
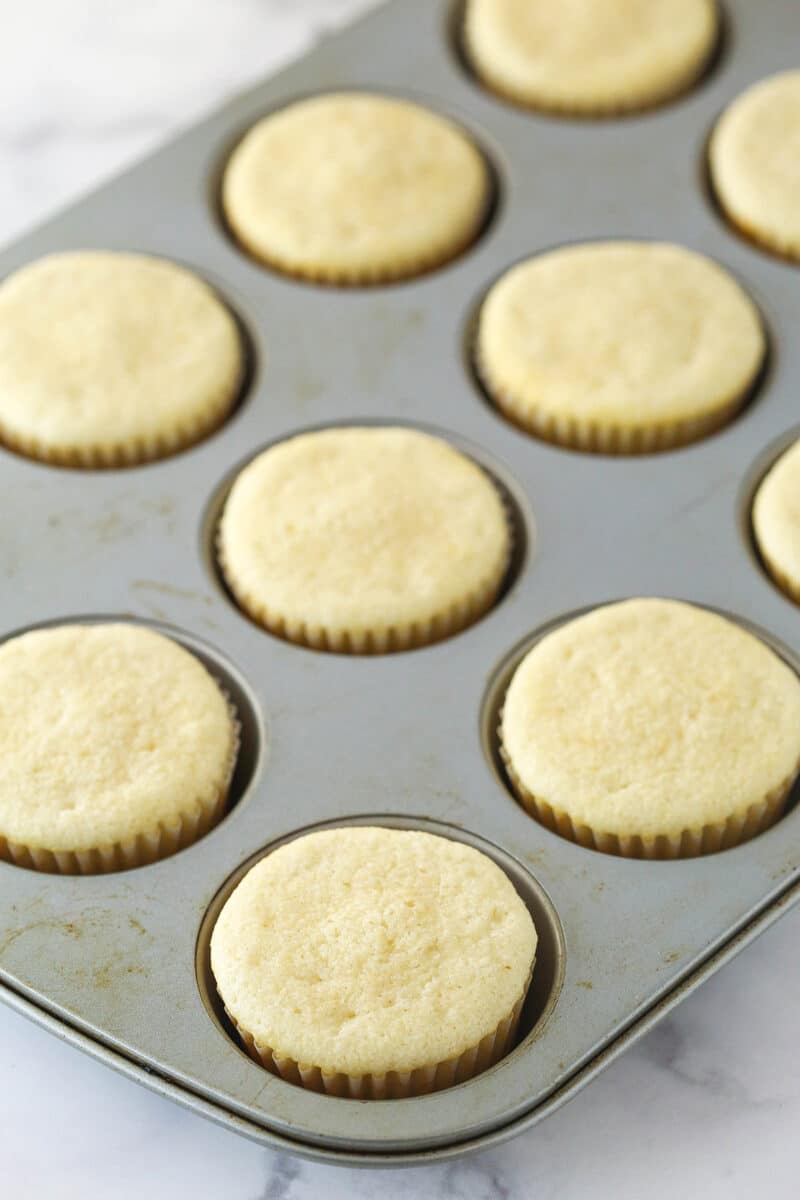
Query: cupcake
[(118, 748), (619, 347), (364, 540), (355, 188), (754, 160), (111, 359), (591, 57), (652, 729), (776, 521), (374, 963)]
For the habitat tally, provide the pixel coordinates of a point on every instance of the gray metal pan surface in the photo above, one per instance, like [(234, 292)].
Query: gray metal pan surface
[(118, 963)]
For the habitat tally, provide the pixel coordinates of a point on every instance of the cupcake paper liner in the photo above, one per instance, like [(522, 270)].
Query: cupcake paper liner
[(136, 851), (380, 272), (124, 454), (620, 106), (392, 1085), (689, 843), (605, 437)]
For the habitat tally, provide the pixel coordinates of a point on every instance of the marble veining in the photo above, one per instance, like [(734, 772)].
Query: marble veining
[(707, 1105)]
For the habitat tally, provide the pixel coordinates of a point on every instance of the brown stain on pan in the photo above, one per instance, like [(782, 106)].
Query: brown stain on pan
[(169, 589)]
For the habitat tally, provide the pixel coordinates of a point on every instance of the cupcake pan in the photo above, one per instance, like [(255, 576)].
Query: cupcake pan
[(118, 964)]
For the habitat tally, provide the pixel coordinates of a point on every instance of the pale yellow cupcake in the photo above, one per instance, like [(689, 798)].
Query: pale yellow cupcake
[(364, 540), (374, 963), (654, 729), (109, 359), (619, 347), (118, 748), (590, 57), (754, 158), (355, 188), (776, 521)]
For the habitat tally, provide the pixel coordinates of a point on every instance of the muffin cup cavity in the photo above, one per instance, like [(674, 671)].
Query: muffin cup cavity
[(524, 1023), (627, 104), (388, 267), (586, 433), (196, 409), (738, 828), (365, 641), (165, 838), (766, 505), (748, 171)]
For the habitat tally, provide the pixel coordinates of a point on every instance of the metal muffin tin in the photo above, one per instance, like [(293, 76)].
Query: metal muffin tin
[(117, 964)]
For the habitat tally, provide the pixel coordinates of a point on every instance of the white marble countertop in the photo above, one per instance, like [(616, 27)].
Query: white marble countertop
[(707, 1105)]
